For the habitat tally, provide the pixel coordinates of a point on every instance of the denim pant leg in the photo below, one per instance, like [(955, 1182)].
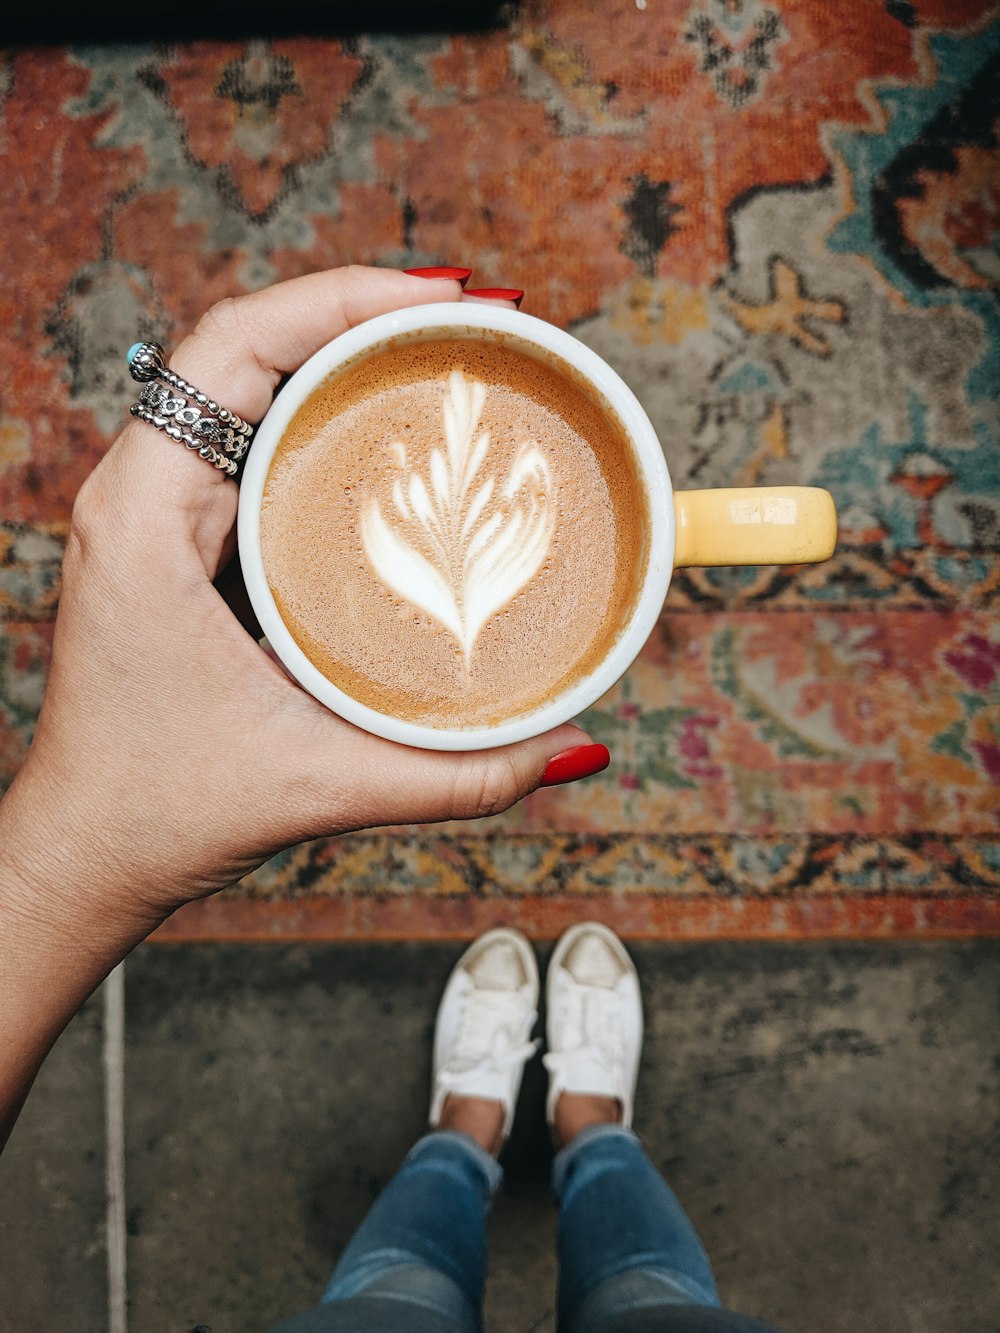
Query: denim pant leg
[(624, 1240), (423, 1241)]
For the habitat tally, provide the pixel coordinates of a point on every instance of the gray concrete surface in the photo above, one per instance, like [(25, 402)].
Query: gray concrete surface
[(52, 1237), (828, 1114)]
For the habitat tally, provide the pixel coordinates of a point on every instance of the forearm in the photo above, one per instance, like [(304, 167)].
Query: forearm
[(63, 928)]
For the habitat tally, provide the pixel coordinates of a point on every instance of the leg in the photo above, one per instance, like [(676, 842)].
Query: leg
[(417, 1263), (624, 1240), (431, 1217), (629, 1259)]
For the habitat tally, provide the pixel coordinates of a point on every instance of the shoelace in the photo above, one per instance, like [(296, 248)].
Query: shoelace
[(486, 1037), (592, 1027)]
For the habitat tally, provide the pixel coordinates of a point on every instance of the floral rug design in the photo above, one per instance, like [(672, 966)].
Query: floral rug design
[(781, 223)]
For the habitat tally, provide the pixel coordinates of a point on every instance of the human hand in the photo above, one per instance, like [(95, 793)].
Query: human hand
[(172, 754)]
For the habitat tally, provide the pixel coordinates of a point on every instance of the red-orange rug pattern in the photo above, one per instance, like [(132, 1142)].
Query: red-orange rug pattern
[(779, 221)]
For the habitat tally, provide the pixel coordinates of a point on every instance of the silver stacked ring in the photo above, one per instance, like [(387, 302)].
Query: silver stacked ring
[(183, 412)]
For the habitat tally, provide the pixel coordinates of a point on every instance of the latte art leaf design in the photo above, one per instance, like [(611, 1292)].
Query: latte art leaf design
[(460, 542)]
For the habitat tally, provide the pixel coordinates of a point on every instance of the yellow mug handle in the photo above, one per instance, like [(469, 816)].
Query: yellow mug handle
[(755, 525)]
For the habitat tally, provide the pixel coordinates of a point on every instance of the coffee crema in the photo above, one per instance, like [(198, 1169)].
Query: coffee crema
[(454, 531)]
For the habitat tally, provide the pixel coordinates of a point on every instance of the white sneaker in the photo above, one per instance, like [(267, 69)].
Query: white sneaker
[(482, 1035), (594, 1018)]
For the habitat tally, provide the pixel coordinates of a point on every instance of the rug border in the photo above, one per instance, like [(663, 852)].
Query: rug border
[(882, 916)]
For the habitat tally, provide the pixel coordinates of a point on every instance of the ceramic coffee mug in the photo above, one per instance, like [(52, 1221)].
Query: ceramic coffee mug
[(754, 526)]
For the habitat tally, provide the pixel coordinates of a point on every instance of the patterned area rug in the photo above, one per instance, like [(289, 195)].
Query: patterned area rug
[(779, 221)]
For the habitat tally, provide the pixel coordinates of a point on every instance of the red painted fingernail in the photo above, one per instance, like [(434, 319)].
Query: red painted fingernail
[(497, 294), (461, 275), (582, 761)]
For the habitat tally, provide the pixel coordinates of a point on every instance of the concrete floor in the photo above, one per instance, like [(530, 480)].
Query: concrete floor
[(828, 1113)]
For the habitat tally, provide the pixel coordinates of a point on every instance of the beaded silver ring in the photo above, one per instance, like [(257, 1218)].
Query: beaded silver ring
[(184, 413)]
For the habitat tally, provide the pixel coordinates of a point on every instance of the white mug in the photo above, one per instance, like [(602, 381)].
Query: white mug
[(762, 525)]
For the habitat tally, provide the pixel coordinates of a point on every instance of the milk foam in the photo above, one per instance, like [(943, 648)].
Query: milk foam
[(434, 481), (462, 541)]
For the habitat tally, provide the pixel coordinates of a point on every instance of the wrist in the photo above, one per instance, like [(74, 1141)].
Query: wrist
[(61, 935), (56, 876)]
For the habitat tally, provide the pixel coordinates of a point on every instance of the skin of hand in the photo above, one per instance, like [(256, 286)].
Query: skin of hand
[(172, 754)]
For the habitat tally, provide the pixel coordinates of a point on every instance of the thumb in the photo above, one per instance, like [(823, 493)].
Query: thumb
[(396, 784)]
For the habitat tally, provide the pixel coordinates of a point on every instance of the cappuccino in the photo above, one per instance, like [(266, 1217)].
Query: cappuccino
[(455, 530)]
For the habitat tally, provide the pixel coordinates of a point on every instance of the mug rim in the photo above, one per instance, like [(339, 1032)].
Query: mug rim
[(448, 317)]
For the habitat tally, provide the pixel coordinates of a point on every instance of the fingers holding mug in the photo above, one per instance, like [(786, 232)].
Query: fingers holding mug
[(230, 365), (220, 382), (396, 784), (245, 344), (502, 296)]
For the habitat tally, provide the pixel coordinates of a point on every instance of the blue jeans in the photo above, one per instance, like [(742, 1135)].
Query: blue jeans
[(629, 1259)]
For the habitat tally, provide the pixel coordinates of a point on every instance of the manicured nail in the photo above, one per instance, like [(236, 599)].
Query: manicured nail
[(497, 294), (582, 761), (461, 275)]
